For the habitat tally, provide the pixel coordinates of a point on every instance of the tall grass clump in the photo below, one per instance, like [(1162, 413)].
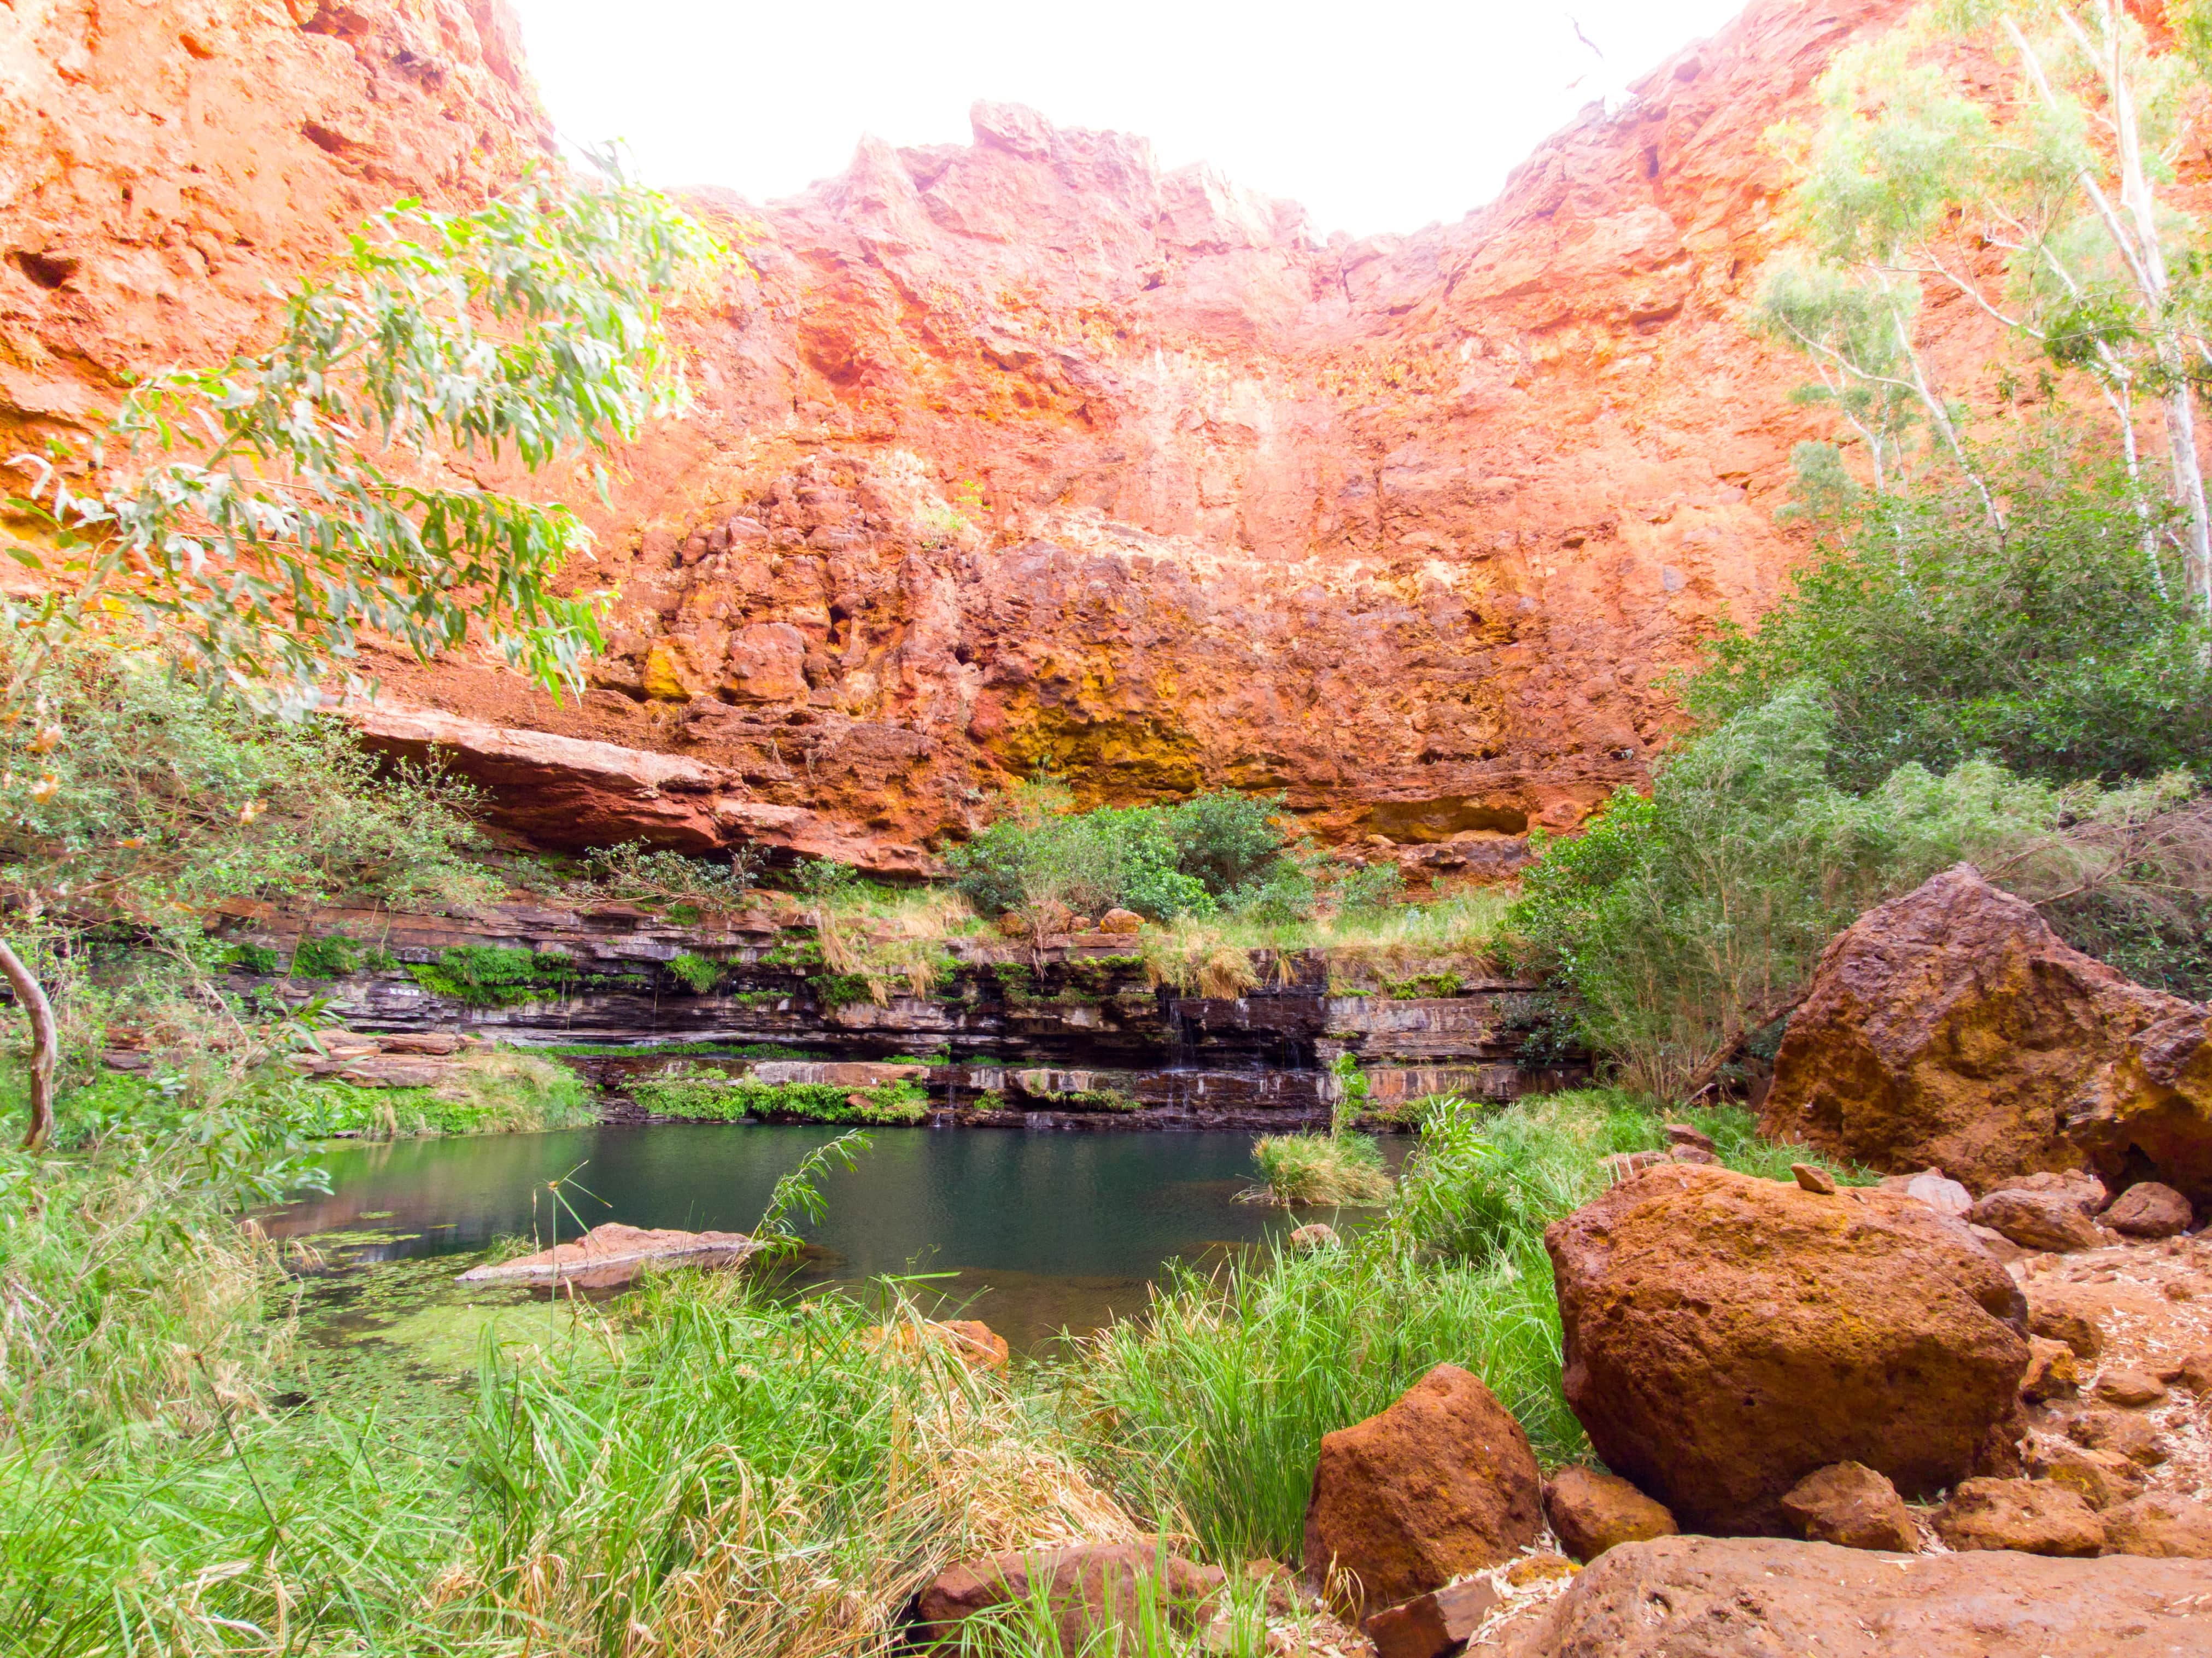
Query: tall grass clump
[(489, 1091), (130, 1293), (1209, 1409), (745, 1476), (1340, 1167)]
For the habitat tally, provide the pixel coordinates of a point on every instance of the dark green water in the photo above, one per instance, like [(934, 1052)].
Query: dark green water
[(1033, 1233)]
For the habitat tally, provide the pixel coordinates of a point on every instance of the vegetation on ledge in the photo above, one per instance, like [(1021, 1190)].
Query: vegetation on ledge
[(704, 1094)]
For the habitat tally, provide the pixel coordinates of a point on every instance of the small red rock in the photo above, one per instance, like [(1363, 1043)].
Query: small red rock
[(1431, 1625), (2132, 1388), (1592, 1512), (2149, 1210), (1849, 1504), (2033, 1516)]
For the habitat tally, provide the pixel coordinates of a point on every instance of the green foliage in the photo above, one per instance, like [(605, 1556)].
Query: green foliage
[(1937, 637), (257, 959), (1321, 1169), (242, 518), (704, 1094), (700, 973), (131, 1294), (1210, 1409), (165, 802), (800, 1191), (1189, 859), (497, 976), (1370, 890), (500, 1092), (332, 955), (1682, 919)]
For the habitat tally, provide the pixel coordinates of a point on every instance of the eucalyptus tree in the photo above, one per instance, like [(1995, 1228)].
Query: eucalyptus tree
[(258, 523), (2044, 200)]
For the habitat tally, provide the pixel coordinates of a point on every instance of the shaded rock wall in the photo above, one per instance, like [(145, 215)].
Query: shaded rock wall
[(1028, 450)]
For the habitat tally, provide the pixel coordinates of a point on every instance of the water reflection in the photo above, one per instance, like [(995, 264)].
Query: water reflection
[(1036, 1231)]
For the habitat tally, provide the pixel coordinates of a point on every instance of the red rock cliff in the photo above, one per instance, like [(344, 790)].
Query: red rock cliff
[(1024, 451)]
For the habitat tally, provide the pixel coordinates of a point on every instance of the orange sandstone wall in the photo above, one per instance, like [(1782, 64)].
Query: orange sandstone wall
[(1025, 451)]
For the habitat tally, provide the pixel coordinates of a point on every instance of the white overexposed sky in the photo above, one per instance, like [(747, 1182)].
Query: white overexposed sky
[(1382, 117)]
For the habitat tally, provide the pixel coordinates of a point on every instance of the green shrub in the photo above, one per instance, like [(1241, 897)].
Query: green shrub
[(168, 801), (2053, 645), (1189, 859), (707, 1095), (260, 960), (700, 973), (1683, 920), (497, 976), (330, 957)]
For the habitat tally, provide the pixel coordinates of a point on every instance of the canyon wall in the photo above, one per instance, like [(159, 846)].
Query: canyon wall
[(1023, 453)]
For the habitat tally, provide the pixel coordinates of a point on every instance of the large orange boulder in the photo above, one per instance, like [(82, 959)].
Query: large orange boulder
[(1952, 1027), (1440, 1485), (1727, 1336)]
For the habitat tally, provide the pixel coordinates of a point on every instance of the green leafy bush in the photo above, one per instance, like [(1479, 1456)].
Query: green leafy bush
[(700, 973), (704, 1094), (1189, 859), (497, 976), (2052, 645), (1683, 920)]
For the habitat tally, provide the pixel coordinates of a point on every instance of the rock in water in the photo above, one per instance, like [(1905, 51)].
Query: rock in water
[(1091, 1593), (1707, 1597), (1592, 1512), (1727, 1336), (610, 1256), (2033, 1516), (1951, 1026), (1440, 1483), (1849, 1504)]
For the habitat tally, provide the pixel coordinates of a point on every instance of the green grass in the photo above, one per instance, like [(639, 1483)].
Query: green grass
[(1309, 1169), (1211, 1407), (501, 1091), (723, 1474), (706, 1095)]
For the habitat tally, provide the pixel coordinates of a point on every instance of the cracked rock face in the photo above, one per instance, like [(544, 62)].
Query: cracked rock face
[(1028, 449)]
